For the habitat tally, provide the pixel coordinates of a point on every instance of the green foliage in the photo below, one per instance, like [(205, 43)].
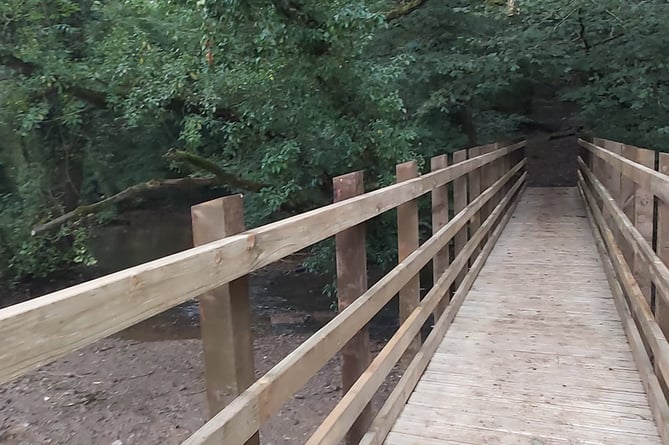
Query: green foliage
[(288, 94), (607, 57), (35, 256)]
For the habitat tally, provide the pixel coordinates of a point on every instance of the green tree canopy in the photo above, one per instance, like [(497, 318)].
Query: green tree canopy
[(275, 97)]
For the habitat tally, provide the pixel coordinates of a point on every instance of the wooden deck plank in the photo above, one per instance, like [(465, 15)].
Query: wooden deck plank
[(428, 390), (537, 353)]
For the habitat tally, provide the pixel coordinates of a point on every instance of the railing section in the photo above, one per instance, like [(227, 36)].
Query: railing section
[(627, 192), (473, 195)]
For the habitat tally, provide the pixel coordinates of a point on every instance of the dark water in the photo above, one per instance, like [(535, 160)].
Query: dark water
[(147, 236), (284, 296)]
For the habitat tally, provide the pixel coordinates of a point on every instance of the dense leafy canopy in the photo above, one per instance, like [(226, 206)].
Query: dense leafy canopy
[(275, 97)]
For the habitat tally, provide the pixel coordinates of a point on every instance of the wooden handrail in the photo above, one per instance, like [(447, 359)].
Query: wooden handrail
[(398, 397), (657, 183), (239, 420), (620, 278), (658, 270), (613, 262), (45, 328), (340, 419)]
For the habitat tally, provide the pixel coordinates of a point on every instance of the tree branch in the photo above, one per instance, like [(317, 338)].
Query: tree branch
[(17, 64), (223, 177), (129, 193), (586, 44), (607, 40), (404, 9), (220, 177)]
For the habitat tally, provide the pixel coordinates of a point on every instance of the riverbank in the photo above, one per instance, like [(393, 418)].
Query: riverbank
[(130, 392), (145, 385)]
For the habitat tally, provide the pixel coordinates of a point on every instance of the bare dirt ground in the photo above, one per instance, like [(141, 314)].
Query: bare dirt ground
[(127, 392), (146, 385)]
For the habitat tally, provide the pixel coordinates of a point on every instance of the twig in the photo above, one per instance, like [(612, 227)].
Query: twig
[(209, 166), (141, 375), (65, 374), (607, 40), (608, 11), (195, 392)]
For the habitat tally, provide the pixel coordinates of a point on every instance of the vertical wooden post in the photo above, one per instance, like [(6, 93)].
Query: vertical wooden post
[(407, 242), (662, 310), (441, 260), (611, 176), (495, 171), (225, 312), (487, 172), (615, 187), (504, 164), (611, 181), (459, 203), (643, 221), (627, 201), (351, 283), (474, 190), (597, 165)]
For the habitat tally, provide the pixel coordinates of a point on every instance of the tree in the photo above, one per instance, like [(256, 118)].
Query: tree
[(274, 97), (102, 101)]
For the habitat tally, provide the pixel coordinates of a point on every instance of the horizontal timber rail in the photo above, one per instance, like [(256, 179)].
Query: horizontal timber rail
[(485, 183), (236, 422), (40, 330), (619, 185)]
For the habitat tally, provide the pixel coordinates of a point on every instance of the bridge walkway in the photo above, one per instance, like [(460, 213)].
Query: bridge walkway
[(537, 353)]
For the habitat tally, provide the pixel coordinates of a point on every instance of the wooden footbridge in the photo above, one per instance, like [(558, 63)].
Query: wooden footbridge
[(546, 319)]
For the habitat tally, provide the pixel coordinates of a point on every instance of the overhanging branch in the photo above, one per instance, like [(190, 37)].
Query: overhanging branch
[(204, 164), (17, 64), (220, 177), (129, 193)]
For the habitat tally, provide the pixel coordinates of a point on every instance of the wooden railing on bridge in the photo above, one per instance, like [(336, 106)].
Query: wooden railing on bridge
[(481, 186), (626, 189)]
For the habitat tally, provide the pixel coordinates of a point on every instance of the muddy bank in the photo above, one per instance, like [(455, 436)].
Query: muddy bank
[(145, 385), (129, 392)]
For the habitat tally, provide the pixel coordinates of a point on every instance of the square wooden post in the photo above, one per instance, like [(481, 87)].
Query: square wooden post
[(407, 242), (499, 169), (487, 174), (441, 260), (459, 203), (474, 190), (643, 221), (611, 181), (611, 178), (662, 309), (626, 202), (351, 283), (225, 312)]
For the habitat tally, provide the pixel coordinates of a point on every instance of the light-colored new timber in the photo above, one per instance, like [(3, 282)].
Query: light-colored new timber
[(263, 399), (351, 257), (40, 330), (408, 240), (537, 353)]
